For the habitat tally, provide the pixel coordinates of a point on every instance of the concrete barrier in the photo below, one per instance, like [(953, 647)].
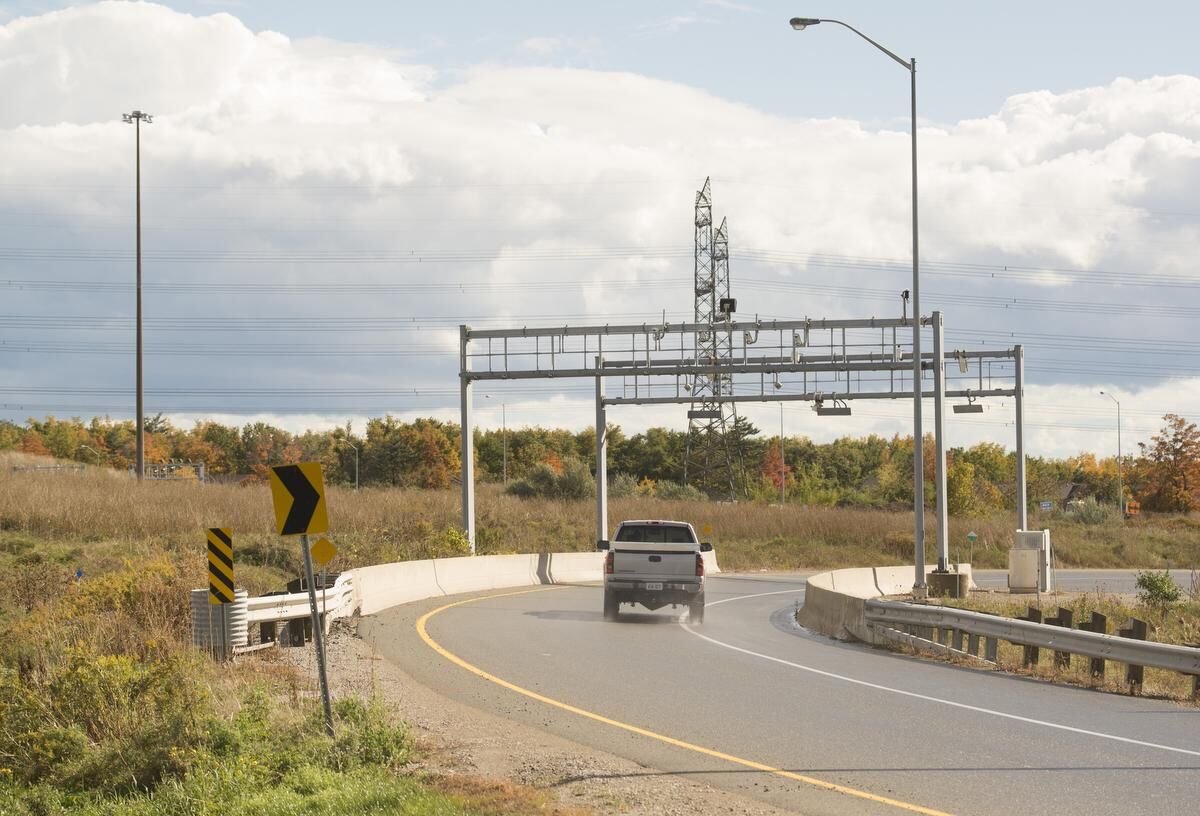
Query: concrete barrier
[(835, 602), (373, 589), (387, 585)]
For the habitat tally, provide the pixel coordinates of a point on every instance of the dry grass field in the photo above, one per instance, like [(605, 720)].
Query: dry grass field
[(103, 519), (98, 681)]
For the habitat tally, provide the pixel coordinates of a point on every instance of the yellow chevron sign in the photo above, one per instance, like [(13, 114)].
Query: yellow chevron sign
[(298, 492), (220, 565)]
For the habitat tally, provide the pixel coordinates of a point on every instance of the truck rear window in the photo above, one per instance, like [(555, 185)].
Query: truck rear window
[(655, 534)]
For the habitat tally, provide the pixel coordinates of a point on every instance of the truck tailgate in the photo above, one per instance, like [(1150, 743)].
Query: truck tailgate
[(654, 561)]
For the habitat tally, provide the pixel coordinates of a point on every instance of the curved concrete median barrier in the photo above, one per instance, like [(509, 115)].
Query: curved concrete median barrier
[(835, 602), (373, 589)]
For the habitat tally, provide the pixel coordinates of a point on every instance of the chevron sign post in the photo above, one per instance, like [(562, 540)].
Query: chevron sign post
[(298, 493)]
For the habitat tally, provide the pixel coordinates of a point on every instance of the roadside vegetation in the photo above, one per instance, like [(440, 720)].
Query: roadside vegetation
[(1172, 616), (105, 708), (533, 462)]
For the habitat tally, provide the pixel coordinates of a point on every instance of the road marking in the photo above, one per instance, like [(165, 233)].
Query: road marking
[(927, 698), (423, 632)]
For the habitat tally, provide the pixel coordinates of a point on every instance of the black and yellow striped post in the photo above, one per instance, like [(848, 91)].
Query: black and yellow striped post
[(220, 588), (220, 565)]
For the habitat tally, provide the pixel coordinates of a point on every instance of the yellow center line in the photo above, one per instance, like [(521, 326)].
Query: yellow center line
[(541, 698)]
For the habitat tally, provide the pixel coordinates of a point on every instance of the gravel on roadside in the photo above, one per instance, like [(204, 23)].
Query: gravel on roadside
[(458, 739)]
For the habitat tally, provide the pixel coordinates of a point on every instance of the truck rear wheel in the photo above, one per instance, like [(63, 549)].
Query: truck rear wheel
[(612, 609), (696, 609)]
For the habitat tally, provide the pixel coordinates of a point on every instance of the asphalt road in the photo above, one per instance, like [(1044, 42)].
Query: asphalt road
[(749, 693)]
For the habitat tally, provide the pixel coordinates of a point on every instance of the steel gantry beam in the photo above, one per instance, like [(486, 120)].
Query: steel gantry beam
[(816, 361)]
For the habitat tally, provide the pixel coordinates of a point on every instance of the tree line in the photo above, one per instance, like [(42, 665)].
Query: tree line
[(424, 453)]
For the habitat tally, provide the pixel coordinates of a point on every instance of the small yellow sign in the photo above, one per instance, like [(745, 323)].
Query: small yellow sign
[(707, 529), (323, 551), (298, 492)]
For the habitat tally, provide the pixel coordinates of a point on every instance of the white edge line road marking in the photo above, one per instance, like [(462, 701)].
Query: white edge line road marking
[(915, 695)]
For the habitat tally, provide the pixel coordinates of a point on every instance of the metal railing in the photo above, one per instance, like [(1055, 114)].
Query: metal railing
[(892, 614), (334, 602)]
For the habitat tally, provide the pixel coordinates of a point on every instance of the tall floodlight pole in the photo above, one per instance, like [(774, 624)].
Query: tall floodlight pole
[(910, 65), (503, 437), (782, 461), (1120, 483), (136, 118)]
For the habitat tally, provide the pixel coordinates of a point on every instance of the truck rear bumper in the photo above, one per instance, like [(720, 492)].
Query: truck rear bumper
[(654, 594)]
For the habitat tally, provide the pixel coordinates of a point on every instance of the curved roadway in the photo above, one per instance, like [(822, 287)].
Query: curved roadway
[(750, 702)]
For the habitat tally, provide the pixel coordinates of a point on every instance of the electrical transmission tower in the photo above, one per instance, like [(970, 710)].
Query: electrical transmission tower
[(712, 463)]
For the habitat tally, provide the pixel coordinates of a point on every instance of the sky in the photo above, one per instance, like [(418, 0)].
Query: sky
[(329, 192)]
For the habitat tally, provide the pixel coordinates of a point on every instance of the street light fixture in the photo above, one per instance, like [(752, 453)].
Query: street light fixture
[(99, 458), (910, 65), (1120, 482), (351, 444), (136, 118)]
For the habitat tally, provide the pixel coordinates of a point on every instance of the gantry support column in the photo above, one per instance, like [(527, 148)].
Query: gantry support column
[(1022, 500), (468, 441), (939, 443), (601, 459)]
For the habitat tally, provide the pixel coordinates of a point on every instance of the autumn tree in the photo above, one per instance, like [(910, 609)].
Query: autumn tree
[(774, 469), (1168, 471)]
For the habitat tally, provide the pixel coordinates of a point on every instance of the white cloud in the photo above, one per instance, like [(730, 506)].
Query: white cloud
[(263, 144)]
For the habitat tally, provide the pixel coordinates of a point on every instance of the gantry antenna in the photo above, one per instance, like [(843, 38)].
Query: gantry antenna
[(712, 462)]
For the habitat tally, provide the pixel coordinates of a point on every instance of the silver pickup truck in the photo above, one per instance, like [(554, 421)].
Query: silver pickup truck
[(654, 563)]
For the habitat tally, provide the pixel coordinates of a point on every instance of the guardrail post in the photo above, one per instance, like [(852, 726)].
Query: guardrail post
[(1195, 688), (1031, 653), (1134, 675), (991, 650), (1099, 625), (1062, 660), (956, 636), (973, 644)]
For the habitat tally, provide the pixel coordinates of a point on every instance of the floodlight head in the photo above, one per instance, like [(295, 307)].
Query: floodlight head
[(904, 295), (778, 385), (126, 118), (801, 23), (687, 386)]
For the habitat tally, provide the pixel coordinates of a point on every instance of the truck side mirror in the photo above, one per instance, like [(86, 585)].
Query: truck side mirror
[(705, 547), (602, 545)]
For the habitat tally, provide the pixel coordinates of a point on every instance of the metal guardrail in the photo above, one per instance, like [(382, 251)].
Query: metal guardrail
[(1183, 659), (334, 601)]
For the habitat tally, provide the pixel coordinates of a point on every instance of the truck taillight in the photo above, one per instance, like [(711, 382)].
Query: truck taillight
[(608, 563), (699, 566)]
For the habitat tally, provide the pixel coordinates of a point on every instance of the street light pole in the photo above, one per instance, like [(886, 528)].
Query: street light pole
[(503, 437), (99, 458), (136, 118), (910, 65), (782, 461), (1120, 482)]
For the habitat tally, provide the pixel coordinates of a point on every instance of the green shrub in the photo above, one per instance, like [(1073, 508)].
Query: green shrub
[(673, 491), (574, 482), (622, 485), (1156, 589), (1090, 511)]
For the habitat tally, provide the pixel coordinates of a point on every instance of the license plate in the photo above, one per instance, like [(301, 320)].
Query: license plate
[(654, 586)]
